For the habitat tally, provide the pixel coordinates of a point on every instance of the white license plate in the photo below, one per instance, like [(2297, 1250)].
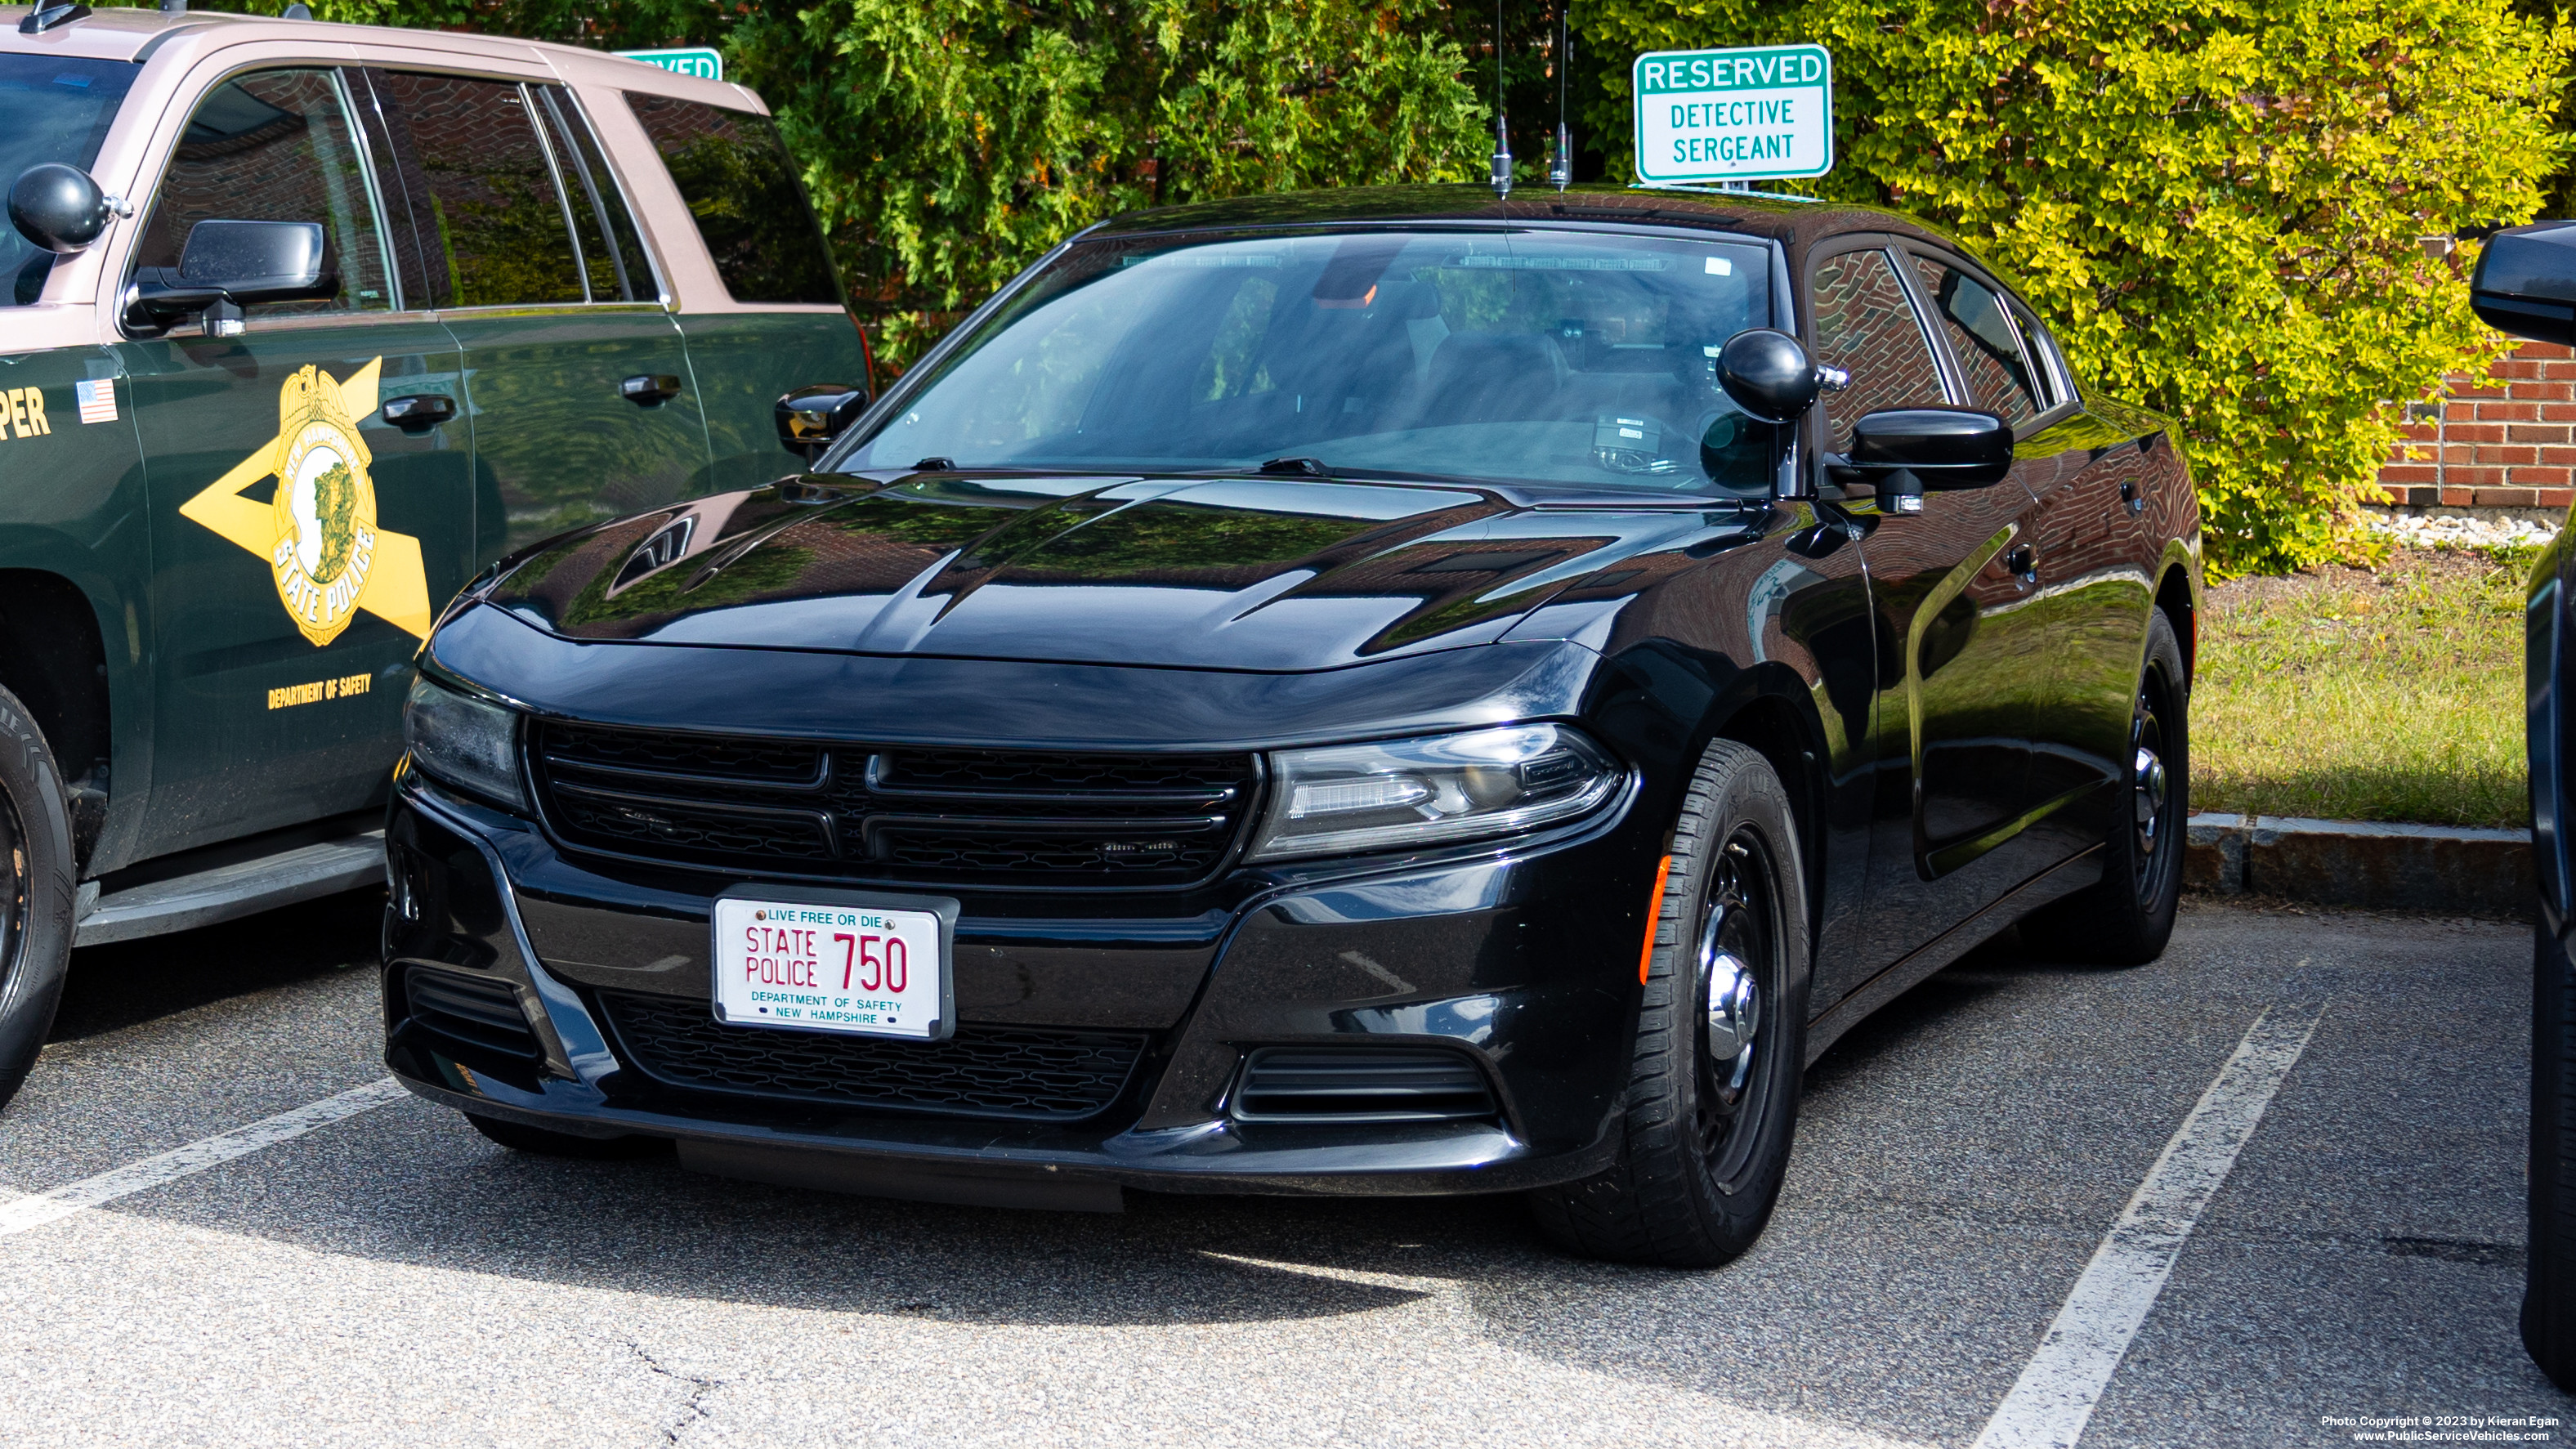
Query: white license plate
[(828, 961)]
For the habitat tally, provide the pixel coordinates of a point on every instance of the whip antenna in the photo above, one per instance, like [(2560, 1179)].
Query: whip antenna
[(1502, 130), (1560, 171)]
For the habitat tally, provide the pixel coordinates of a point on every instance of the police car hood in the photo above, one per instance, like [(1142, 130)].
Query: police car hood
[(1262, 573)]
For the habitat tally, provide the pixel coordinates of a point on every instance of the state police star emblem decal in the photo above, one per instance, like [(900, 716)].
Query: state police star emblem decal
[(319, 537)]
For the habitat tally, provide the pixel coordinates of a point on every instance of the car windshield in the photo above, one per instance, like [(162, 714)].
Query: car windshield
[(52, 108), (1523, 356)]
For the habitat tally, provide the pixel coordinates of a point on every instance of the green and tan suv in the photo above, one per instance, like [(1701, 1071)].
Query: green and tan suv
[(302, 326)]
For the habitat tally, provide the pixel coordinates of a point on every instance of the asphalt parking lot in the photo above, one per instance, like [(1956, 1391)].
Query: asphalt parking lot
[(389, 1276)]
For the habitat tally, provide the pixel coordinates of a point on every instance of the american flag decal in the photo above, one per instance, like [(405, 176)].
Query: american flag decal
[(97, 399)]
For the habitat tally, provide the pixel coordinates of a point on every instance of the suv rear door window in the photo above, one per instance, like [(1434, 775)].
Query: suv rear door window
[(482, 188), (739, 184), (52, 109), (275, 145), (612, 258)]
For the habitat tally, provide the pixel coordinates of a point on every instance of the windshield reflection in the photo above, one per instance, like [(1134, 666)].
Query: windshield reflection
[(1525, 356), (52, 108)]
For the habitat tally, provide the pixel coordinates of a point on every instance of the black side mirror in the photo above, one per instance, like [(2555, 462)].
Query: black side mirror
[(228, 265), (2526, 282), (1901, 452), (1767, 374), (811, 419), (58, 208)]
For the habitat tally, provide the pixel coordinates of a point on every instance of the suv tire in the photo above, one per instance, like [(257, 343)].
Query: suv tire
[(1704, 1141), (36, 884), (2127, 919)]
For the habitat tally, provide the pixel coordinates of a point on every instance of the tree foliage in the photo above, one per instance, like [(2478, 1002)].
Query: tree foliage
[(948, 143), (2220, 205)]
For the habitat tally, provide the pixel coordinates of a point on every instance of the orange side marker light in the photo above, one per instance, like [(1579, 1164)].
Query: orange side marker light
[(1654, 917)]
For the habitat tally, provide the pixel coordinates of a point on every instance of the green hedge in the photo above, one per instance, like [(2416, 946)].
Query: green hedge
[(2219, 204)]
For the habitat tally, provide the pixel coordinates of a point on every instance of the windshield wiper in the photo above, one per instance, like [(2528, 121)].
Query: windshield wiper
[(1311, 467)]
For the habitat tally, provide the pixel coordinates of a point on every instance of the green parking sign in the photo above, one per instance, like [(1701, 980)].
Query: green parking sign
[(1734, 115), (696, 60)]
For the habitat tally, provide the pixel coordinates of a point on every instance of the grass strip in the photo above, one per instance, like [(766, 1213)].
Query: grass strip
[(2359, 695)]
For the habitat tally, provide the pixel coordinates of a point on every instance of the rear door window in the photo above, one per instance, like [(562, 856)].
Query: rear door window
[(740, 185), (275, 145), (1983, 338), (482, 189), (612, 256), (2048, 364)]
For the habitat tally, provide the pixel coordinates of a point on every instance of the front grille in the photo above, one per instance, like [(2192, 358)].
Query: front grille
[(475, 1010), (999, 817), (982, 1071), (1360, 1084)]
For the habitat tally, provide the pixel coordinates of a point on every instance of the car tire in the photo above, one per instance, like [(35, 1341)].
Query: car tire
[(36, 886), (1704, 1140), (2549, 1264), (2127, 918), (520, 1137)]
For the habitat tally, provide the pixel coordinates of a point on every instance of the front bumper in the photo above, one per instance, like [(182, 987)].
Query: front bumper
[(1519, 960)]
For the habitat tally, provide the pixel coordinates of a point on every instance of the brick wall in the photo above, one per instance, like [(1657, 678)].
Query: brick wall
[(2506, 439)]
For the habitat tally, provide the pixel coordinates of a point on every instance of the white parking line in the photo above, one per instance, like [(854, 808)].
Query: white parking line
[(38, 1209), (2050, 1403)]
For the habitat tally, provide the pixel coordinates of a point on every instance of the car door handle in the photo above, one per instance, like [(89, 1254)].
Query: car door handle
[(649, 389), (2022, 563), (419, 412)]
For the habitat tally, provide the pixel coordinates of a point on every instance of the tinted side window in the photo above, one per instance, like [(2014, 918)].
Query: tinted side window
[(1865, 324), (612, 257), (418, 270), (2048, 372), (274, 146), (482, 191), (735, 175), (1984, 340)]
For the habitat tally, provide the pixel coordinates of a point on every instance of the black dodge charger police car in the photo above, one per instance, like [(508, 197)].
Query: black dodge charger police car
[(1387, 691)]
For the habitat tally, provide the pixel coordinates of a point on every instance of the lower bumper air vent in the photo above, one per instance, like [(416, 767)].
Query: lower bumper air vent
[(1360, 1084), (982, 1071), (474, 1010)]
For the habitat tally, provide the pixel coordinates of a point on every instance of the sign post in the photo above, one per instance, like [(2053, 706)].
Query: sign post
[(696, 60), (1725, 116)]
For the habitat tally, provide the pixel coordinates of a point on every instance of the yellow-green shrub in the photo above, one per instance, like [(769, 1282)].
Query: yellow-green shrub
[(2218, 204)]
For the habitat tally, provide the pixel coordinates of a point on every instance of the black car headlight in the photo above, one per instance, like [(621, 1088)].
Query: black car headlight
[(466, 742), (1399, 794)]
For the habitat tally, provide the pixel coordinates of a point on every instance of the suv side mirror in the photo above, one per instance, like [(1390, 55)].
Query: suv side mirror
[(2526, 282), (58, 207), (1901, 452), (228, 265), (811, 419)]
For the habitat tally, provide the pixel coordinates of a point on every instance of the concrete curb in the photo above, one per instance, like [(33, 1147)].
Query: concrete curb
[(2362, 863)]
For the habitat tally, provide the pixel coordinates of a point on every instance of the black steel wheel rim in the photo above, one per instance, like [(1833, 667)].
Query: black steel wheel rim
[(1739, 921), (2152, 787)]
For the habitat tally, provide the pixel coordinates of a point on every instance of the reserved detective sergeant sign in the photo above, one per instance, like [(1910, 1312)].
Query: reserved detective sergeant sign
[(1762, 113)]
